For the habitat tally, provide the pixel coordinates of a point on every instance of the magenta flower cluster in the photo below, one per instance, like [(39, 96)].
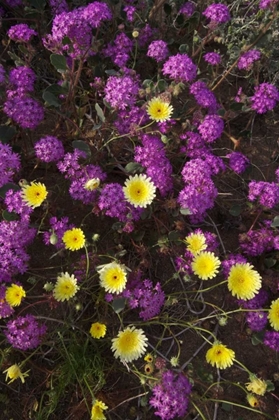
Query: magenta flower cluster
[(121, 91), (21, 33), (211, 128), (267, 193), (265, 98), (217, 13), (24, 332), (180, 67), (49, 149), (247, 59), (119, 51), (158, 50), (203, 95)]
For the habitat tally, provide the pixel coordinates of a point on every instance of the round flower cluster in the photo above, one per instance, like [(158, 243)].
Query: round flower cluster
[(217, 13), (265, 4), (180, 67), (25, 111), (238, 162), (211, 128), (9, 163), (24, 332), (187, 9), (119, 50), (49, 149), (158, 50), (212, 58), (121, 92), (266, 192), (21, 33), (247, 59), (265, 98), (204, 96), (22, 78)]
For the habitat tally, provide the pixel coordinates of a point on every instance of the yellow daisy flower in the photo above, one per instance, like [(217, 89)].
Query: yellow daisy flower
[(34, 194), (92, 184), (256, 385), (252, 400), (159, 110), (139, 190), (14, 294), (74, 239), (273, 314), (195, 243), (97, 410), (130, 344), (98, 330), (148, 358), (205, 265), (243, 281), (14, 372), (220, 356), (65, 287), (113, 277)]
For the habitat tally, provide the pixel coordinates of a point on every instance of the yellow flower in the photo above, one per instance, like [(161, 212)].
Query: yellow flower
[(34, 194), (256, 385), (148, 368), (252, 400), (74, 239), (14, 294), (14, 372), (195, 243), (273, 314), (130, 344), (243, 281), (220, 356), (139, 190), (92, 184), (65, 287), (97, 410), (148, 358), (113, 277), (159, 110), (98, 330), (205, 265)]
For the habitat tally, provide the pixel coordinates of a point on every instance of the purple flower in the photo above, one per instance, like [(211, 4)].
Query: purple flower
[(95, 13), (266, 192), (9, 164), (58, 6), (70, 165), (26, 112), (146, 35), (212, 58), (204, 96), (256, 320), (21, 33), (256, 242), (152, 156), (238, 162), (55, 234), (22, 78), (2, 75), (121, 92), (49, 149), (5, 309), (170, 395), (217, 13), (257, 302), (198, 199), (230, 261), (265, 98), (15, 204), (211, 128), (119, 51), (271, 340), (13, 3), (180, 67), (130, 11), (195, 146), (187, 9), (247, 59), (24, 332), (265, 4), (129, 119), (158, 50), (80, 184)]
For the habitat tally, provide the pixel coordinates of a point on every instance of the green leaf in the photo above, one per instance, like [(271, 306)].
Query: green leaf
[(118, 305), (148, 83), (236, 106), (9, 216), (100, 112), (183, 48), (37, 4), (51, 99), (162, 85), (7, 187), (235, 210), (270, 386), (275, 222), (257, 338), (56, 90), (81, 145), (226, 406), (133, 167), (269, 262), (59, 62), (7, 133)]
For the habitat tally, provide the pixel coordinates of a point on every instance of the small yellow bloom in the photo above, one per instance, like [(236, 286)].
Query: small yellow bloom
[(130, 344), (34, 194), (148, 358), (159, 110), (113, 277), (252, 400), (14, 372), (205, 265), (256, 385), (196, 242), (14, 294), (97, 410), (148, 368), (273, 314), (92, 184), (139, 190), (74, 239), (220, 356), (65, 287), (98, 330), (243, 281)]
